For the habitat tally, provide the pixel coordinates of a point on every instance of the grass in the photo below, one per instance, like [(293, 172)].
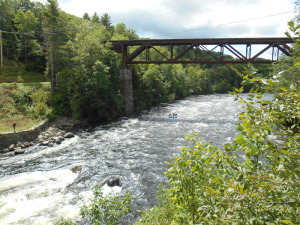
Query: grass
[(16, 88), (43, 85), (15, 72), (23, 123), (10, 110), (27, 77)]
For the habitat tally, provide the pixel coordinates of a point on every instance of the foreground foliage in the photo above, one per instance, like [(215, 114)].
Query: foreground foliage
[(107, 209), (256, 179)]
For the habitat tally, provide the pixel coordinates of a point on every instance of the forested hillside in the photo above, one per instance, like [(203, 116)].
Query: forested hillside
[(74, 55)]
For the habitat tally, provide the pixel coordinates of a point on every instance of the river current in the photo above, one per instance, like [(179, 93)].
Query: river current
[(39, 187)]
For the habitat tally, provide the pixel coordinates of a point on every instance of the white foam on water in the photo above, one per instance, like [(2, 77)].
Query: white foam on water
[(33, 197), (107, 189)]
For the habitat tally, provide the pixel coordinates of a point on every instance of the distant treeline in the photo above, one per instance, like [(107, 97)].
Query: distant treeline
[(84, 72)]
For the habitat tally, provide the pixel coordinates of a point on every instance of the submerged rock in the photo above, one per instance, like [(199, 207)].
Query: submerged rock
[(113, 182), (76, 169)]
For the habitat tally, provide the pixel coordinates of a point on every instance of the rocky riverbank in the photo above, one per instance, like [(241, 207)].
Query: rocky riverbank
[(57, 131), (50, 137)]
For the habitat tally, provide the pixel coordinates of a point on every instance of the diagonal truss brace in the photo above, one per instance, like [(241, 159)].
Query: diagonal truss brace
[(141, 55)]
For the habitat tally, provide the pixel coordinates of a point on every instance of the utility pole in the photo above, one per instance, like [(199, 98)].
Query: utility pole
[(1, 49)]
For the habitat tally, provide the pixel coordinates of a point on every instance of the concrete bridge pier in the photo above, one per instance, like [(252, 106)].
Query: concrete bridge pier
[(127, 89)]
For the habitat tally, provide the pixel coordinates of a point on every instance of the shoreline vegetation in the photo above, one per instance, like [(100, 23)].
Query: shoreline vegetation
[(24, 104)]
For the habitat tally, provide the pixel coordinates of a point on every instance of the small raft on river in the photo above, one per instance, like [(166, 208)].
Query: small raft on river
[(173, 116)]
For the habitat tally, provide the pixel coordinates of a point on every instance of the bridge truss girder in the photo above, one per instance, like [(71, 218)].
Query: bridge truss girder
[(141, 54)]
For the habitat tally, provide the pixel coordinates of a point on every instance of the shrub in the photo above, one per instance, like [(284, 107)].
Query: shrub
[(109, 209)]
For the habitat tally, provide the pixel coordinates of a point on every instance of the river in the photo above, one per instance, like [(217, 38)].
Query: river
[(40, 187)]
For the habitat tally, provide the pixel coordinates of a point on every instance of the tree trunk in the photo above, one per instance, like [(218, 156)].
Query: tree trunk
[(25, 51)]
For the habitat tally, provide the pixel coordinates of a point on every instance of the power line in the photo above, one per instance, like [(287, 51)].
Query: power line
[(49, 32), (225, 24)]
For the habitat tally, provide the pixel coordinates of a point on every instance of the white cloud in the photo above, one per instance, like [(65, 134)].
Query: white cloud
[(196, 18)]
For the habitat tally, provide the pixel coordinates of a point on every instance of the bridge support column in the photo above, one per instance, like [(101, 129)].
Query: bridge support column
[(126, 89)]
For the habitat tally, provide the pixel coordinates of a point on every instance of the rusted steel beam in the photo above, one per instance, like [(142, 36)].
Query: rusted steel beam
[(182, 53), (136, 52), (206, 41), (235, 52), (262, 51), (281, 45), (208, 52), (159, 52), (202, 62)]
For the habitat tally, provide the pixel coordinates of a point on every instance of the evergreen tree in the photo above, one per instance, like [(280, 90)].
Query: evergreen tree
[(86, 16), (95, 18), (52, 14), (26, 24), (106, 21)]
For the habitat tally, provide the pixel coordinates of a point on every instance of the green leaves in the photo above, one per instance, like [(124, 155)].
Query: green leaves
[(107, 209)]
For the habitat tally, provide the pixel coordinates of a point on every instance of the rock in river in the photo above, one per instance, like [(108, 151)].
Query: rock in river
[(69, 135), (19, 150), (113, 182)]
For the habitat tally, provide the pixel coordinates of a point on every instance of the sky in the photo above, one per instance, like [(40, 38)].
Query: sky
[(163, 19)]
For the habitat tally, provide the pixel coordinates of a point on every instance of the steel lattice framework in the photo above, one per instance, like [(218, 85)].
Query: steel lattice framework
[(203, 50)]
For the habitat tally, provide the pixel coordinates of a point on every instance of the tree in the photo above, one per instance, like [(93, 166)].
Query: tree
[(95, 18), (23, 5), (86, 16), (26, 24), (193, 74), (121, 32), (155, 86), (106, 21), (9, 40), (52, 14), (90, 78)]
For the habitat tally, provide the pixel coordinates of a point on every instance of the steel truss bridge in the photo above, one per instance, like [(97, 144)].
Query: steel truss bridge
[(210, 50)]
